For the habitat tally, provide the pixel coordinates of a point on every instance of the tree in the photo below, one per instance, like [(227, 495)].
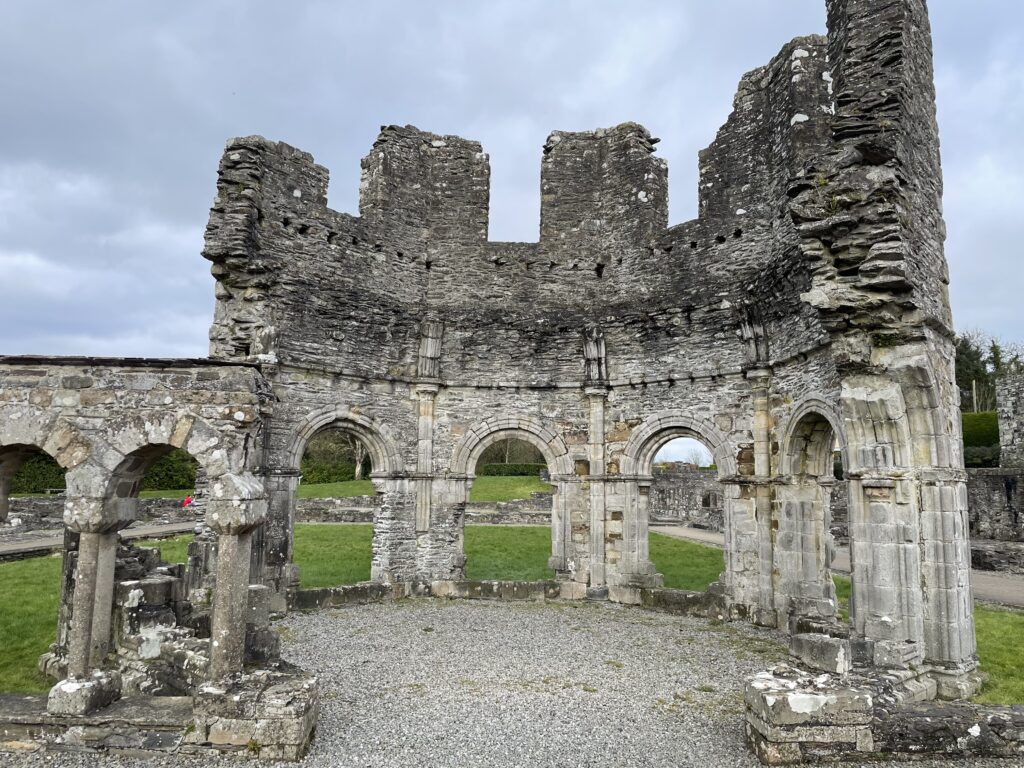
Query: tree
[(980, 360)]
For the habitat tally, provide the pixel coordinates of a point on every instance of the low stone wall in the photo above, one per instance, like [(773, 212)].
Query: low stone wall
[(36, 513), (535, 510), (707, 604)]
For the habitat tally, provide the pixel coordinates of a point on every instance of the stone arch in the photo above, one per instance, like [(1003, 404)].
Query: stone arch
[(485, 434), (560, 465), (806, 448), (384, 455), (24, 431), (802, 549), (645, 442), (635, 566)]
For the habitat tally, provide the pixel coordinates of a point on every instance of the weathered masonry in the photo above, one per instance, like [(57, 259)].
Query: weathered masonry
[(805, 308)]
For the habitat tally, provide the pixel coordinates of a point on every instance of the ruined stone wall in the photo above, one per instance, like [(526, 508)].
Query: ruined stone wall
[(687, 495), (996, 501), (1010, 404)]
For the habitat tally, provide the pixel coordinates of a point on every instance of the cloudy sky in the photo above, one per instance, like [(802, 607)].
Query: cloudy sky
[(113, 116)]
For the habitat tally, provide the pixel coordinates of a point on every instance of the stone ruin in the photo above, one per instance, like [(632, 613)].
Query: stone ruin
[(806, 307)]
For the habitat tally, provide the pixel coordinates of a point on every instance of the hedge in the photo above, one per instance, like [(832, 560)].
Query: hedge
[(326, 472), (507, 470), (38, 472), (975, 456), (175, 471), (981, 430)]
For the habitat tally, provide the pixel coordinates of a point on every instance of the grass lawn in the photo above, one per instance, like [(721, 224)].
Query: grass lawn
[(506, 488), (28, 620), (685, 564), (330, 555)]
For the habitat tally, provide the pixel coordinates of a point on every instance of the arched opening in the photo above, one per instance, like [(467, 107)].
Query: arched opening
[(509, 532), (31, 499), (335, 505), (684, 504), (31, 489), (804, 548)]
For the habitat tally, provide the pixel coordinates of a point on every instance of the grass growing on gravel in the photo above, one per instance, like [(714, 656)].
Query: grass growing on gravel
[(28, 620)]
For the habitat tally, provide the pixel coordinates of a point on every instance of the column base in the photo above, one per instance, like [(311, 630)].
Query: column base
[(958, 682), (81, 697)]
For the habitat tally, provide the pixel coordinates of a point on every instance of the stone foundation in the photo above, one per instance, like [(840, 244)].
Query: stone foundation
[(795, 716)]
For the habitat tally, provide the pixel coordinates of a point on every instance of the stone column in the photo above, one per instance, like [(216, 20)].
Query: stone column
[(561, 531), (106, 560), (950, 646), (426, 395), (5, 497), (760, 382), (596, 452), (83, 604), (230, 604), (236, 508), (278, 570)]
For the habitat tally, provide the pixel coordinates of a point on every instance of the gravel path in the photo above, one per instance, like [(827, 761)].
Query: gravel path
[(439, 683)]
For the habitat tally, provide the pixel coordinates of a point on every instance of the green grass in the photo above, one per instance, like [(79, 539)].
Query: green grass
[(508, 552), (685, 564), (506, 488), (169, 494), (173, 550), (999, 632), (29, 601), (330, 555)]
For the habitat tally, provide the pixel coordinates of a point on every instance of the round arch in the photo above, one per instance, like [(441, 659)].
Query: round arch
[(656, 430), (384, 455), (485, 434), (814, 426), (37, 430)]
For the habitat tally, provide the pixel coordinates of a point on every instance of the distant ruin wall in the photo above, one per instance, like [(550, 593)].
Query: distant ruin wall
[(35, 513), (535, 510), (995, 500), (687, 495), (1010, 404)]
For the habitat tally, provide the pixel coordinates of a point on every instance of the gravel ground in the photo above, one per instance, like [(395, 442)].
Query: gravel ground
[(439, 683)]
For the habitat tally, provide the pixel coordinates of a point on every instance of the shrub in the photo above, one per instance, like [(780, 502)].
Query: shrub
[(175, 471), (314, 471), (975, 456), (981, 430), (508, 470), (38, 472)]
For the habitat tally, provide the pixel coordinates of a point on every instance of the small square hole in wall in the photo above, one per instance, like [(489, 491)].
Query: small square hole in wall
[(582, 468)]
